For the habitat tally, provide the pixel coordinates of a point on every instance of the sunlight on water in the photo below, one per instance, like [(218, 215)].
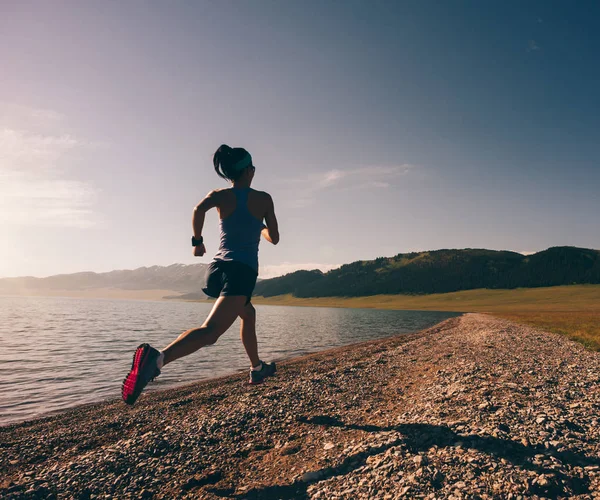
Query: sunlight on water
[(56, 353)]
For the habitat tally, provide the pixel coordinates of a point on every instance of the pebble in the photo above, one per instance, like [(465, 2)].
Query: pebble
[(475, 407)]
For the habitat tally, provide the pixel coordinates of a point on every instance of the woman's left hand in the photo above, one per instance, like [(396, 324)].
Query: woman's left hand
[(199, 251)]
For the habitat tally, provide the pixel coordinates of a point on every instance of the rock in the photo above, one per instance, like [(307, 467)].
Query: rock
[(198, 480), (309, 477), (291, 449)]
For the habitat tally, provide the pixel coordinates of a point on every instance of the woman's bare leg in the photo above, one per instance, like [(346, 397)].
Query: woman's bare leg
[(223, 314), (248, 333)]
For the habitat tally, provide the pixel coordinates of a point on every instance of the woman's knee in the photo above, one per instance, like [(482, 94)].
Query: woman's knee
[(249, 313), (224, 313)]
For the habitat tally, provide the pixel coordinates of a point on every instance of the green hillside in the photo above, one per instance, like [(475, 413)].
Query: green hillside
[(442, 271)]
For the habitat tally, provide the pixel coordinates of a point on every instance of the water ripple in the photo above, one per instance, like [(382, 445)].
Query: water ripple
[(56, 353)]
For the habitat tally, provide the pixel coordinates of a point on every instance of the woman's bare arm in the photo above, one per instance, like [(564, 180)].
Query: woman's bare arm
[(209, 201), (271, 232)]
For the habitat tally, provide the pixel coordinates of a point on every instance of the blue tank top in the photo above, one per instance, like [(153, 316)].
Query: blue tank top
[(240, 233)]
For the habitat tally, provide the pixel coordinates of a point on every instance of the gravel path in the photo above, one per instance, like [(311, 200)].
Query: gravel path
[(475, 407)]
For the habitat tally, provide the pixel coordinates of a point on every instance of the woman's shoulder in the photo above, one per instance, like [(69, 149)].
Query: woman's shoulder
[(221, 192), (262, 194)]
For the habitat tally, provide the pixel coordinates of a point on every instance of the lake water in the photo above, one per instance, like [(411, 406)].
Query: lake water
[(57, 353)]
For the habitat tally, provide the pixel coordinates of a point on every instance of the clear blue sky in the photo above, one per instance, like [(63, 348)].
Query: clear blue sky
[(378, 127)]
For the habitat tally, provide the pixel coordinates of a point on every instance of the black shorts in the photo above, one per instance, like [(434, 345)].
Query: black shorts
[(228, 277)]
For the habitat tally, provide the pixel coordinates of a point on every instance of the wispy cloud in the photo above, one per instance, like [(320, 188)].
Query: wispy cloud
[(267, 272), (364, 177), (532, 46), (369, 177), (26, 117), (330, 178), (33, 151), (35, 184)]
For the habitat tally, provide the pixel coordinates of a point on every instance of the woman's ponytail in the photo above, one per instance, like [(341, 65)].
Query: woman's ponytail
[(225, 160), (222, 161)]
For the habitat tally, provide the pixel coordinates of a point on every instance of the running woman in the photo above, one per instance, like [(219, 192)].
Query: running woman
[(230, 277)]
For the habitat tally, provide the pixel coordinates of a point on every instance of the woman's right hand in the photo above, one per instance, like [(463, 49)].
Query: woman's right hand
[(199, 251)]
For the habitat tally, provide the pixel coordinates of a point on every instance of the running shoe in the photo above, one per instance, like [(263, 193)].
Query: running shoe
[(258, 376), (143, 370)]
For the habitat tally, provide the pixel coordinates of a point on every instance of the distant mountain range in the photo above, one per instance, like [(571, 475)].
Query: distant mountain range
[(175, 281), (437, 271), (442, 271)]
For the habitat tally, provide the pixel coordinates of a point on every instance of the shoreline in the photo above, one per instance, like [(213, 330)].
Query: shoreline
[(34, 402), (454, 407), (182, 386), (569, 310)]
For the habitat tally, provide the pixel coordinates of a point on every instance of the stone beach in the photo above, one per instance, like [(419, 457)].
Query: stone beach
[(475, 407)]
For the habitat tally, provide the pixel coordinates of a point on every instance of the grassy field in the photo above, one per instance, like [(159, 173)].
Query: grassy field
[(570, 310)]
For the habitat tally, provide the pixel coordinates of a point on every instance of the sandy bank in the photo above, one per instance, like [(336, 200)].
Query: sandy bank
[(475, 406)]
